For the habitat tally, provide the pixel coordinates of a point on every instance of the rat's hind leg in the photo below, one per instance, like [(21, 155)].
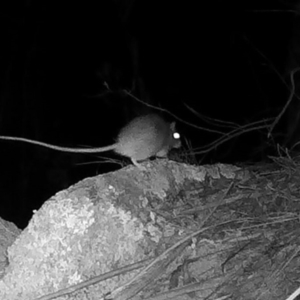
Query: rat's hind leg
[(142, 168)]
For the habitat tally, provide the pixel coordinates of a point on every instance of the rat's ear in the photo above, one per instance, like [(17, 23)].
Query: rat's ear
[(172, 126)]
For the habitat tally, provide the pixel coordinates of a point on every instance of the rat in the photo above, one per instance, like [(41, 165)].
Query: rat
[(143, 137)]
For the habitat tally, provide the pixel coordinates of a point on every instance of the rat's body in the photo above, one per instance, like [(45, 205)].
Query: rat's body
[(140, 139)]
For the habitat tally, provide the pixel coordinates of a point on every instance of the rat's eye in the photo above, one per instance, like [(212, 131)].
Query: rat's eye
[(176, 135)]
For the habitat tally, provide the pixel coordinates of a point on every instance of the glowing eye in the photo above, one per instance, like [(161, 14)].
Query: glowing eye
[(176, 135)]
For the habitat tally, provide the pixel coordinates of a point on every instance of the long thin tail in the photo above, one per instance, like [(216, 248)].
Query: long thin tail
[(58, 148)]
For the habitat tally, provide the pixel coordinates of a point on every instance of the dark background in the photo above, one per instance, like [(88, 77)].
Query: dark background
[(65, 66)]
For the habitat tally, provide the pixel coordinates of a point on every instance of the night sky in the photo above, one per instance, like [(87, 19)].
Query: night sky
[(65, 68)]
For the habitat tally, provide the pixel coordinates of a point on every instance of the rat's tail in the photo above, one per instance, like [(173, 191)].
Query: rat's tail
[(58, 148)]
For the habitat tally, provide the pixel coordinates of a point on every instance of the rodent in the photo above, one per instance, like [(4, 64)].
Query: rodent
[(143, 137)]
